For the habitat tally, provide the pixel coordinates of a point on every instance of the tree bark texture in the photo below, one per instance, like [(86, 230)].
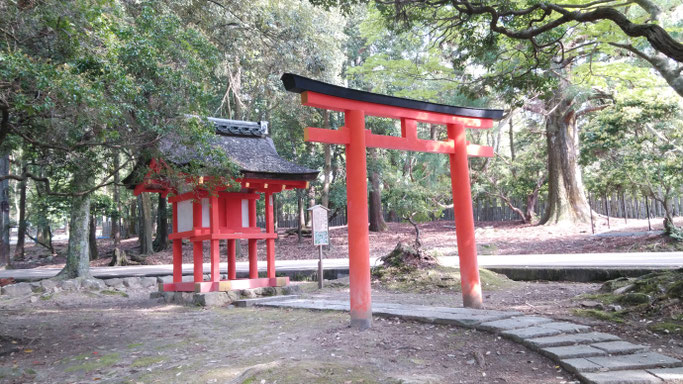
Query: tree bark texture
[(377, 223), (566, 197), (78, 254), (92, 239), (145, 226), (4, 210), (21, 232), (161, 240), (133, 219), (116, 216)]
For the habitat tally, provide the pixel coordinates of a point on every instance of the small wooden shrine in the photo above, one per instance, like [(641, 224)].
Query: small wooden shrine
[(200, 215)]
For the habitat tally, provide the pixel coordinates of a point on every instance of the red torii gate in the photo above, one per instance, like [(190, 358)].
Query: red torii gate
[(356, 105)]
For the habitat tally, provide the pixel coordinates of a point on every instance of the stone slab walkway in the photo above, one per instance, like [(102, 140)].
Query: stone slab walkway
[(594, 357)]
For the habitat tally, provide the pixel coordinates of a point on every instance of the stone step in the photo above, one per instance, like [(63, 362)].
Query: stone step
[(571, 339), (622, 377), (619, 347), (252, 302), (673, 375), (641, 360), (572, 351), (544, 330), (513, 323)]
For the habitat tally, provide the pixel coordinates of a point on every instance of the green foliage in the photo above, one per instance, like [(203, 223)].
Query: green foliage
[(636, 144)]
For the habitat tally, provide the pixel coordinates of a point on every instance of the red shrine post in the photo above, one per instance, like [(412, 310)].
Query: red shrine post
[(202, 216), (358, 104)]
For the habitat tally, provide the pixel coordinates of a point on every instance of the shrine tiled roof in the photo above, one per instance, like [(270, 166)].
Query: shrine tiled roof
[(246, 144)]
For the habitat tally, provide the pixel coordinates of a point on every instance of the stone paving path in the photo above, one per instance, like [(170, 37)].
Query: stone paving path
[(594, 357)]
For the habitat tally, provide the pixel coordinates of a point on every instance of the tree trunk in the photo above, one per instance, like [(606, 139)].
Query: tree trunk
[(21, 233), (511, 135), (311, 202), (78, 254), (302, 220), (566, 197), (116, 216), (145, 226), (377, 223), (119, 257), (92, 240), (133, 219), (4, 210), (161, 241)]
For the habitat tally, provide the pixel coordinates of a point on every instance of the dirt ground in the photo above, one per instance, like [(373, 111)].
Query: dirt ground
[(96, 337), (83, 338), (493, 238)]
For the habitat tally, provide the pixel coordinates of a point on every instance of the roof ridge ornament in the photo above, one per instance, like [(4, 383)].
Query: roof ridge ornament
[(239, 127)]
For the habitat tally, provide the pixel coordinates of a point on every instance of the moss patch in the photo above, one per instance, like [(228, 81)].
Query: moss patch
[(600, 315), (668, 327), (313, 372), (655, 296), (93, 364), (113, 293), (147, 361), (432, 279)]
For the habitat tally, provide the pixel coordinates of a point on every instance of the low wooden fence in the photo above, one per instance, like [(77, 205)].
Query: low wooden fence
[(492, 209)]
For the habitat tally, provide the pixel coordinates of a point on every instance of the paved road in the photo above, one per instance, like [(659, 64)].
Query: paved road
[(596, 260)]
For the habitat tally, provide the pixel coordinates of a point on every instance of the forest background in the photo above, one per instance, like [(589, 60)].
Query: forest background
[(592, 93)]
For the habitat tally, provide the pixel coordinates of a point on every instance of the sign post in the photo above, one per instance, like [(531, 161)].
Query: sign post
[(321, 236)]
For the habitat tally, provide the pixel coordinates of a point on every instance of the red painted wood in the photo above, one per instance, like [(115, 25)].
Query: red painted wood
[(198, 260), (236, 235), (215, 260), (214, 220), (270, 229), (322, 135), (253, 260), (464, 219), (409, 129), (357, 205), (407, 142), (177, 260), (174, 207), (212, 286), (197, 214), (252, 213), (393, 142), (474, 150), (179, 287), (188, 234), (313, 99), (232, 270)]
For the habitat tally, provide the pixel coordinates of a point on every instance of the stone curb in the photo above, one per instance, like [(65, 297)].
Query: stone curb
[(594, 357), (251, 302)]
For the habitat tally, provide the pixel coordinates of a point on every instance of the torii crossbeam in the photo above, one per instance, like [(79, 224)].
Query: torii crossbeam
[(358, 104)]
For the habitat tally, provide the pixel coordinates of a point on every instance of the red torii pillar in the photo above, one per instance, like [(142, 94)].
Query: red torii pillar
[(356, 105)]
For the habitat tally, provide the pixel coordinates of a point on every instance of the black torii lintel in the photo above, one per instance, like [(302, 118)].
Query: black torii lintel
[(298, 84)]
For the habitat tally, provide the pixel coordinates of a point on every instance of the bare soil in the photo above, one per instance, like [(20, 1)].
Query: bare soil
[(438, 238), (92, 337)]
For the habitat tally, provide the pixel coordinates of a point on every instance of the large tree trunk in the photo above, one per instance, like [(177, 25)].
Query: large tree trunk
[(133, 219), (21, 232), (145, 227), (377, 223), (4, 210), (161, 240), (92, 238), (78, 254), (566, 198), (119, 257)]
